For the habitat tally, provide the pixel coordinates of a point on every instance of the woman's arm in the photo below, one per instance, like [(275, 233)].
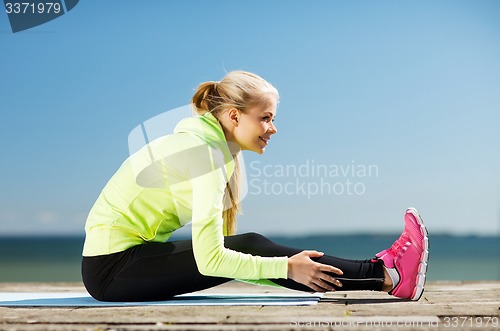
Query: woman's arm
[(212, 258)]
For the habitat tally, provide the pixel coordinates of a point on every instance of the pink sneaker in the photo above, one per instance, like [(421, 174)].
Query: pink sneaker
[(409, 255)]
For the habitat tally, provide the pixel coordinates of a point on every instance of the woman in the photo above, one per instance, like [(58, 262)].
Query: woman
[(192, 176)]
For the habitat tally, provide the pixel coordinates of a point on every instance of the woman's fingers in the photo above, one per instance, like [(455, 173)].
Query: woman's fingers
[(320, 286), (325, 280), (334, 281), (328, 280), (324, 268), (314, 253), (324, 285), (332, 269), (318, 276)]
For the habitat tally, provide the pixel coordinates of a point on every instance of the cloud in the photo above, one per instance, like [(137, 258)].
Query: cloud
[(47, 217)]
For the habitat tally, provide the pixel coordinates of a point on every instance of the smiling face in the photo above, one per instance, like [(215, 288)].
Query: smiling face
[(253, 129)]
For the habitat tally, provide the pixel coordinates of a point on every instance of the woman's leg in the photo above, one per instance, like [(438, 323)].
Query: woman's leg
[(147, 272), (156, 271), (358, 274)]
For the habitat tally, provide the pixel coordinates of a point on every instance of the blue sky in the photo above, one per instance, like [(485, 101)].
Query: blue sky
[(411, 88)]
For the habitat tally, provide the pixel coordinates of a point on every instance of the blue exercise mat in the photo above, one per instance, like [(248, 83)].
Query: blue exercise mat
[(83, 299)]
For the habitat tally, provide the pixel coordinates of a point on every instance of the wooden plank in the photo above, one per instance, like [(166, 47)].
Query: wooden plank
[(441, 302)]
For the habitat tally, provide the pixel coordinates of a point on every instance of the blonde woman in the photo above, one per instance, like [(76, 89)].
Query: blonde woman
[(192, 176)]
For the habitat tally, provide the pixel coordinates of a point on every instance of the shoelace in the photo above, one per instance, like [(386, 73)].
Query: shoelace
[(399, 245)]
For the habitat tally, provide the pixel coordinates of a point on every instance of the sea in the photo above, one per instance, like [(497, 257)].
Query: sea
[(461, 258)]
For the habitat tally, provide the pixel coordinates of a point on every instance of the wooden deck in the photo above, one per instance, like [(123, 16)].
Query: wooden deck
[(444, 306)]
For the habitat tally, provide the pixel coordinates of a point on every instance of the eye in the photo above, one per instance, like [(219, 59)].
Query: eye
[(268, 118)]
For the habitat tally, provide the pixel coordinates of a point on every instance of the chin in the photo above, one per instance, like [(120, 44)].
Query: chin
[(257, 150), (260, 151)]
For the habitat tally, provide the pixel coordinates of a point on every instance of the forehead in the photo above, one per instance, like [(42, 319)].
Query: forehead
[(264, 108)]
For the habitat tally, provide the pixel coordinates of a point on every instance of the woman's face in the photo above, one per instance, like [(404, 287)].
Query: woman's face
[(255, 127)]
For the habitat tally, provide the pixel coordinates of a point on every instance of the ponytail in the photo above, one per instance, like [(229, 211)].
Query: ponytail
[(205, 98)]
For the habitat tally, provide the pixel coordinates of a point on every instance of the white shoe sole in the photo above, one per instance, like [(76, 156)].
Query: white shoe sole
[(422, 268)]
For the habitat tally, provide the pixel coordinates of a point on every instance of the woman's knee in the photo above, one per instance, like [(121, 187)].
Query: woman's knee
[(254, 238), (245, 242)]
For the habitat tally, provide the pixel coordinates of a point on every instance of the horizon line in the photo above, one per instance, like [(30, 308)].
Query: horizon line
[(275, 235)]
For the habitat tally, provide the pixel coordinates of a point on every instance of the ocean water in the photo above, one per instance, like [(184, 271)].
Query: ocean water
[(56, 259)]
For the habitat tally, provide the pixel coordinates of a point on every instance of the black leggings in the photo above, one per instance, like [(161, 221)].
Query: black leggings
[(157, 271)]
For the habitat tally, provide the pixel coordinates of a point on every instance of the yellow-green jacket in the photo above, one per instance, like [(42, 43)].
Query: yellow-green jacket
[(174, 180)]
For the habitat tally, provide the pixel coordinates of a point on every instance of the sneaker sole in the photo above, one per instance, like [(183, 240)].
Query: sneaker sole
[(422, 268)]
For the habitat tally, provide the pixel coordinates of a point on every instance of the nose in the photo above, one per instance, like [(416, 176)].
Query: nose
[(272, 128)]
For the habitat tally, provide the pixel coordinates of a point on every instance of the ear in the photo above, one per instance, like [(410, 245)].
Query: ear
[(234, 116)]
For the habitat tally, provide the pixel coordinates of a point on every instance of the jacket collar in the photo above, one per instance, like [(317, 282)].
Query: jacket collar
[(208, 128)]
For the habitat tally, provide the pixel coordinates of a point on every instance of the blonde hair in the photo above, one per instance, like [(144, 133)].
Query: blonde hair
[(240, 90)]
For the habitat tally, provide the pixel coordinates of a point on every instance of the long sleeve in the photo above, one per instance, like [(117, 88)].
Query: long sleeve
[(212, 258)]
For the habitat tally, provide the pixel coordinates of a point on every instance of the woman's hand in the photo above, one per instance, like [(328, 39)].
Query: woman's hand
[(312, 274)]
